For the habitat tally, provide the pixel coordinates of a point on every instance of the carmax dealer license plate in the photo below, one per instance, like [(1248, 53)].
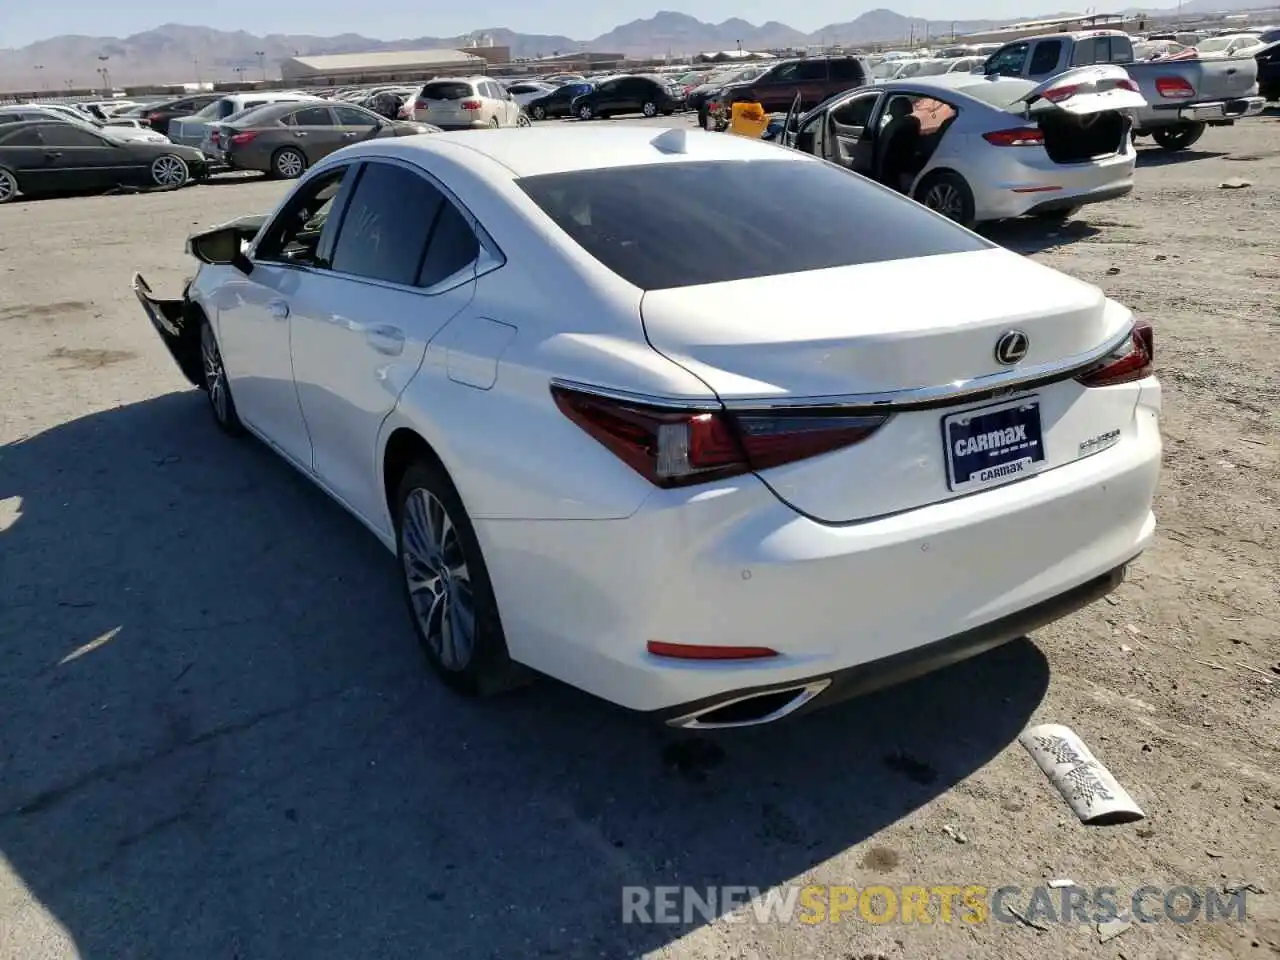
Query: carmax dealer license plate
[(993, 445)]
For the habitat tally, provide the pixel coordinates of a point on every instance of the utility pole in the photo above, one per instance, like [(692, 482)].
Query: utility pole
[(195, 62), (262, 63), (39, 69), (105, 73)]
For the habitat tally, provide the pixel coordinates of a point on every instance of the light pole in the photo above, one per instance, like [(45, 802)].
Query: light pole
[(39, 69), (239, 74), (195, 62), (105, 73), (262, 63)]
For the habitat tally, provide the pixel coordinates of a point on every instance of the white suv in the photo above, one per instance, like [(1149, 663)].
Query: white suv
[(467, 103)]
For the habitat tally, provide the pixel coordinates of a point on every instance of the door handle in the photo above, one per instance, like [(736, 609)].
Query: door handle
[(386, 339), (53, 154), (350, 136), (279, 309), (299, 135)]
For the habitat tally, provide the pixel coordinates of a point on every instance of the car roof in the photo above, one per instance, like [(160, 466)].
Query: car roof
[(533, 151)]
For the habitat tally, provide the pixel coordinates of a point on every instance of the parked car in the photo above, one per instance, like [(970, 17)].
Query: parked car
[(192, 131), (285, 139), (42, 157), (976, 148), (119, 129), (1268, 60), (527, 92), (458, 358), (467, 103), (559, 102), (1183, 96), (158, 115), (1229, 45), (813, 79), (627, 94), (698, 96)]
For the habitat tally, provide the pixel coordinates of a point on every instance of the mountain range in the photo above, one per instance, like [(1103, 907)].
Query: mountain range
[(176, 53)]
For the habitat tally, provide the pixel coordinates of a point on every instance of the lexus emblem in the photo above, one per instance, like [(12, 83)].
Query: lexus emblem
[(1012, 347)]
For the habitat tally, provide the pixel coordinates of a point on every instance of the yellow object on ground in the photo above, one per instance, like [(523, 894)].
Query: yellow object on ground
[(749, 120)]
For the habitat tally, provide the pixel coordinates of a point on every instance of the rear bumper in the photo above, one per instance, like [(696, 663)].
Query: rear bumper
[(865, 603), (1099, 195), (470, 125), (1222, 110)]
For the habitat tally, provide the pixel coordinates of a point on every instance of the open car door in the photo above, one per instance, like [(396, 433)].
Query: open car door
[(788, 137), (1086, 90)]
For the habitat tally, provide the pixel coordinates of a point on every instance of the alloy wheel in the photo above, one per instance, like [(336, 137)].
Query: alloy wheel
[(946, 200), (8, 186), (650, 109), (215, 375), (290, 164), (523, 121), (539, 113), (438, 579), (169, 171)]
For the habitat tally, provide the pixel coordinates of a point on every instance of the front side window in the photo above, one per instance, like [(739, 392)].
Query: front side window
[(1044, 59), (386, 225), (302, 233), (1009, 61), (352, 117), (722, 221), (856, 112)]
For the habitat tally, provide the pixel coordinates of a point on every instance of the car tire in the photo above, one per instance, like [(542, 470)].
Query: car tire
[(585, 112), (288, 164), (493, 123), (649, 108), (539, 112), (215, 384), (947, 193), (8, 186), (523, 120), (444, 577), (1178, 137), (169, 172)]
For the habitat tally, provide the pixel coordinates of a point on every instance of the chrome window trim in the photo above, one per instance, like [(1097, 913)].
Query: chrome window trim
[(1005, 381)]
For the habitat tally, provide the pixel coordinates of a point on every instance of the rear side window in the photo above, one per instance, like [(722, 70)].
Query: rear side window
[(849, 71), (226, 108), (812, 70), (311, 117), (446, 90), (26, 137), (733, 220), (1044, 59), (453, 246)]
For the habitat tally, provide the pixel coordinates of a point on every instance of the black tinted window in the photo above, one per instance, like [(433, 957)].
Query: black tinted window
[(812, 70), (26, 137), (1045, 57), (385, 227), (351, 117), (312, 117), (445, 90), (848, 70), (453, 246), (68, 135), (733, 220)]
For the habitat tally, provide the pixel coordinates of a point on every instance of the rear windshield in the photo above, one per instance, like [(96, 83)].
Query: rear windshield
[(447, 90), (733, 220), (1002, 92)]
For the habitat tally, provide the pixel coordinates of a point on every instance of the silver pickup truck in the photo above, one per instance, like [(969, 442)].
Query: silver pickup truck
[(1183, 96)]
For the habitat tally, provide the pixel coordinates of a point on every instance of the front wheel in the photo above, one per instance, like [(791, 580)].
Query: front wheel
[(585, 112), (948, 194), (169, 172), (216, 386), (523, 120), (649, 108), (446, 584), (1178, 137)]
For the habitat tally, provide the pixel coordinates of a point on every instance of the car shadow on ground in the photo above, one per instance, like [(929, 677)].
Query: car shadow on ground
[(220, 739), (1159, 157), (1028, 235)]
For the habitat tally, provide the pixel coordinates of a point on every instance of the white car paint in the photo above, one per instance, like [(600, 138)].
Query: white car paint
[(835, 561)]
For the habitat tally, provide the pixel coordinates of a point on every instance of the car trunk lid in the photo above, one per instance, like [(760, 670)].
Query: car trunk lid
[(858, 338), (1085, 90), (445, 102)]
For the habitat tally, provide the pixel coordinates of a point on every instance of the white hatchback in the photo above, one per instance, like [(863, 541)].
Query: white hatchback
[(711, 458)]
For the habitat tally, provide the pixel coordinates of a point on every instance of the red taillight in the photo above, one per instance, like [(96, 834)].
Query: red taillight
[(1018, 137), (675, 448), (154, 117), (471, 105), (692, 651), (240, 139), (215, 136), (1058, 94), (1132, 360), (1127, 84), (1174, 88)]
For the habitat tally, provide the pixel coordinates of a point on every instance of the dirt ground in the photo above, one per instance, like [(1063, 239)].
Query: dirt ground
[(217, 738)]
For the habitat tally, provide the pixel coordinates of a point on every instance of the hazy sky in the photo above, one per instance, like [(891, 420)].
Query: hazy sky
[(24, 22)]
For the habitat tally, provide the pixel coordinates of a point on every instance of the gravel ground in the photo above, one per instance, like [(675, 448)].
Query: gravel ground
[(218, 739)]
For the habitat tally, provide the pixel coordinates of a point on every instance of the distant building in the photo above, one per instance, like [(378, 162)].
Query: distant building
[(732, 56), (387, 67)]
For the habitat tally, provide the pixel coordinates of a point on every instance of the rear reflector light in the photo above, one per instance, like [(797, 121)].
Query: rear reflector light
[(1132, 360), (240, 139), (471, 104), (1174, 88), (674, 448), (419, 104), (690, 651), (1019, 137)]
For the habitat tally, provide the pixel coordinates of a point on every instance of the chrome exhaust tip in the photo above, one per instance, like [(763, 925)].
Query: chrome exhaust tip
[(752, 709)]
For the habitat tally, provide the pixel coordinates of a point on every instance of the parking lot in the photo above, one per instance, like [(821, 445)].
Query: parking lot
[(219, 739)]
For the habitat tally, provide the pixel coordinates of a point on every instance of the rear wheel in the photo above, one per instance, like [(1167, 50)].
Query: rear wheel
[(649, 108), (8, 186), (948, 194), (288, 164), (447, 586), (1178, 137), (539, 112), (493, 123), (523, 120), (585, 112)]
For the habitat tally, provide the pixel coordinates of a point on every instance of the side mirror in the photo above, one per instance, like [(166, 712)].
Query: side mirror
[(221, 248)]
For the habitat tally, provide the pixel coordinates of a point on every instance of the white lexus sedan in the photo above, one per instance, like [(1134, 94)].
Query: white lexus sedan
[(708, 427)]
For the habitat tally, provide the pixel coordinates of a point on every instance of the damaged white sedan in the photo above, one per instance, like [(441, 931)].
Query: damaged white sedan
[(657, 413)]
